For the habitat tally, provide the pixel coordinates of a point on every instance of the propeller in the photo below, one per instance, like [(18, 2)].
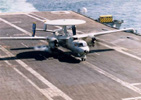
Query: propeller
[(42, 48), (97, 43), (93, 41)]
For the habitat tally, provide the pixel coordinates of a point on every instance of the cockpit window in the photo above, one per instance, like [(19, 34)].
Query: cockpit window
[(83, 44), (80, 45)]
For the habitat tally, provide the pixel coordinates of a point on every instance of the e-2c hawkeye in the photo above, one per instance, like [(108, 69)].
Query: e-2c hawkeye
[(65, 38)]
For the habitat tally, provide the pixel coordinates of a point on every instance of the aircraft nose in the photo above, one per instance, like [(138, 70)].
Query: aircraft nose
[(86, 51)]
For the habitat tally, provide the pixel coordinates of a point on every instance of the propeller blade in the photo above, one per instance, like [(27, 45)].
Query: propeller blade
[(42, 48)]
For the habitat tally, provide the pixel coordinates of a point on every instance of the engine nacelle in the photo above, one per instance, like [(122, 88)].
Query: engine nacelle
[(53, 42)]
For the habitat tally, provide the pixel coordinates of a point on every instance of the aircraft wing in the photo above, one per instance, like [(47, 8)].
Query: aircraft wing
[(101, 33), (23, 38)]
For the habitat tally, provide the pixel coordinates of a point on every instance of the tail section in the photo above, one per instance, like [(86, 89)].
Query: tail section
[(45, 26), (74, 30), (33, 29)]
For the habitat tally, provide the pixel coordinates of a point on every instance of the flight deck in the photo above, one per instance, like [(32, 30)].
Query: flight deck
[(112, 70)]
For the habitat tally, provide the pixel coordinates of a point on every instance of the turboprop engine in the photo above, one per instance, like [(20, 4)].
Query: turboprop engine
[(53, 42)]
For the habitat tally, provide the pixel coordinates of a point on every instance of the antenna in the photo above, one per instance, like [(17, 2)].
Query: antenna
[(83, 10)]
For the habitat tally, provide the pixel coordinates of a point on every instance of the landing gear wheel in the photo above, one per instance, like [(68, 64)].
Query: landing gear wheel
[(93, 41), (83, 59)]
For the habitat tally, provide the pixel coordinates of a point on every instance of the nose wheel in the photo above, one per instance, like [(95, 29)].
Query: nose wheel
[(84, 58)]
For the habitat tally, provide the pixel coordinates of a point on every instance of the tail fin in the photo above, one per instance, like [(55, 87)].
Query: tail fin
[(33, 29), (45, 26), (74, 30)]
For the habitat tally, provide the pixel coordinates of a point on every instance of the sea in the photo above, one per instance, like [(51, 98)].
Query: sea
[(127, 10)]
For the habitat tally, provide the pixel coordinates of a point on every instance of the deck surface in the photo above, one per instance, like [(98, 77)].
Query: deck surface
[(112, 70)]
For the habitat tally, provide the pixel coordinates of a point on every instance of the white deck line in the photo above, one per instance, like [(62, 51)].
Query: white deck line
[(118, 41), (123, 83), (18, 28), (24, 45), (27, 79), (133, 98), (36, 17), (7, 62), (136, 84), (45, 92), (33, 84), (45, 19)]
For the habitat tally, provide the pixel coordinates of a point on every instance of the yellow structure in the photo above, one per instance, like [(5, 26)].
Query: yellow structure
[(106, 18)]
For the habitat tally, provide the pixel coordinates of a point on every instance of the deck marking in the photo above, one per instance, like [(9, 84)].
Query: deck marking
[(123, 83), (117, 41), (18, 28), (37, 75), (45, 19), (19, 34), (24, 45), (36, 17), (119, 49), (97, 54), (33, 84), (136, 84), (16, 22), (8, 62), (133, 98), (51, 92)]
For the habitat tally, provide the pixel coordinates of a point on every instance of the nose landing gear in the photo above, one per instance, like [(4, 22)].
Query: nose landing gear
[(84, 58)]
